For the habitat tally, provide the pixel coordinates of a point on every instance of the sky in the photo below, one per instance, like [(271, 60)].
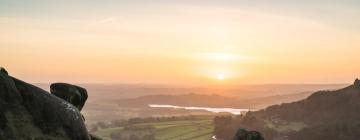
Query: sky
[(190, 42)]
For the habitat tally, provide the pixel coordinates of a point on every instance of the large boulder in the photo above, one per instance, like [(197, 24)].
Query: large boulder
[(243, 134), (73, 94), (30, 113)]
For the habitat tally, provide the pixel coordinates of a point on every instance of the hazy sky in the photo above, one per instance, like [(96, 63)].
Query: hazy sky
[(181, 42)]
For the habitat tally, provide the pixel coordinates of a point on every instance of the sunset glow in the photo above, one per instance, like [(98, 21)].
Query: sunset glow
[(220, 76), (180, 42)]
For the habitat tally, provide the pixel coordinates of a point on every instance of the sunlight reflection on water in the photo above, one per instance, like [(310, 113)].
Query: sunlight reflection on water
[(215, 110)]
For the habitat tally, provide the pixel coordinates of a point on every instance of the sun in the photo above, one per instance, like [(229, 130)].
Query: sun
[(220, 76)]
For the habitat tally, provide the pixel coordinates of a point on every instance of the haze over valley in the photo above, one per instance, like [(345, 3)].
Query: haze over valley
[(115, 102)]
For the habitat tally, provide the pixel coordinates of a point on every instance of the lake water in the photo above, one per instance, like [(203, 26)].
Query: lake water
[(234, 111)]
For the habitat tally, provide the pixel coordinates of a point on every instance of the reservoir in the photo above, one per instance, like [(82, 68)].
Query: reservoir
[(234, 111)]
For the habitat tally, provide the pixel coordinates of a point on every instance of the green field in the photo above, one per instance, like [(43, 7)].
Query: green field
[(170, 130)]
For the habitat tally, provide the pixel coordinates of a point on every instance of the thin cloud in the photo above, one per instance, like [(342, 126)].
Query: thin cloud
[(103, 21)]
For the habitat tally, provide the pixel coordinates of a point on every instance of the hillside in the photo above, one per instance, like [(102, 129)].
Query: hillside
[(263, 102), (330, 115)]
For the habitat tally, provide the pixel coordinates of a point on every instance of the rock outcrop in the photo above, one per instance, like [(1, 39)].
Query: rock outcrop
[(73, 94), (357, 83), (243, 134), (3, 70), (30, 113)]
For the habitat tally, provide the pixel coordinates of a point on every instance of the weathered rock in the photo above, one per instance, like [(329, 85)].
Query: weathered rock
[(73, 94), (3, 70), (30, 113), (243, 134)]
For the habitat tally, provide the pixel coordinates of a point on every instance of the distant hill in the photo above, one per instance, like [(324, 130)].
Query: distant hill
[(202, 100), (111, 92), (198, 100), (330, 115)]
